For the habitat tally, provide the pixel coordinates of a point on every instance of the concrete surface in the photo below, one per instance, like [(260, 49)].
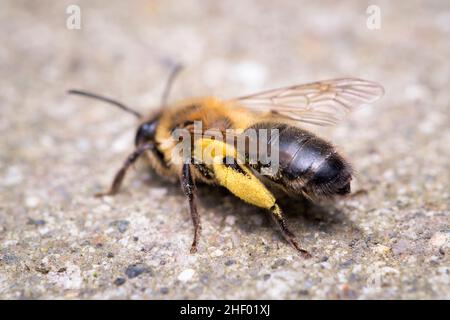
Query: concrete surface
[(390, 240)]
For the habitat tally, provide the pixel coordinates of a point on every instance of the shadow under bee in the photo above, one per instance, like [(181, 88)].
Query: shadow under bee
[(324, 217), (304, 215), (215, 203)]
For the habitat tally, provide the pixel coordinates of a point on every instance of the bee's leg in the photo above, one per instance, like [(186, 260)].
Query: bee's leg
[(188, 186), (288, 235), (118, 178), (244, 184)]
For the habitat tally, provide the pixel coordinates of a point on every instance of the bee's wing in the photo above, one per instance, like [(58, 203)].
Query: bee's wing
[(322, 103)]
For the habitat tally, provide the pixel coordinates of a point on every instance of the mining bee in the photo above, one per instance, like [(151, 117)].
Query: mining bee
[(308, 166)]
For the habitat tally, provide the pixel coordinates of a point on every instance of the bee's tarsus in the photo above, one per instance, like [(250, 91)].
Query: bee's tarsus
[(108, 193), (287, 234)]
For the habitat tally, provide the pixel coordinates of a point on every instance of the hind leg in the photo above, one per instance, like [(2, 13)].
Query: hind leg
[(287, 234), (244, 184)]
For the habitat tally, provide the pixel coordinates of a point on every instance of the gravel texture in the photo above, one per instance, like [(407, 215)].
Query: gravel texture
[(390, 240)]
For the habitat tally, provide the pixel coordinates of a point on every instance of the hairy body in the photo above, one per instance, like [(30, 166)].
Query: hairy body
[(307, 165)]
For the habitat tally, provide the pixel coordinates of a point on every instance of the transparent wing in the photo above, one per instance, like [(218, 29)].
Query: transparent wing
[(322, 103)]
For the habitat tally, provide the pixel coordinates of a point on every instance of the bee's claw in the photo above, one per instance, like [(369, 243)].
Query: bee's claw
[(305, 254), (103, 194)]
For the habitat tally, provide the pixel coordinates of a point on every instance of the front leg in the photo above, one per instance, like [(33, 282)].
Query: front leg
[(188, 186), (120, 175)]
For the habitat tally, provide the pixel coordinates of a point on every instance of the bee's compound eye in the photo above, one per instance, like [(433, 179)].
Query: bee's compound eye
[(146, 132)]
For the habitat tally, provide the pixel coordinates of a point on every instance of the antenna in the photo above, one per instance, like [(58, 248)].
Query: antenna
[(107, 100), (176, 69)]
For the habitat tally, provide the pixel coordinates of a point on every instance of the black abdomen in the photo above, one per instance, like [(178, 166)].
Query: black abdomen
[(307, 163)]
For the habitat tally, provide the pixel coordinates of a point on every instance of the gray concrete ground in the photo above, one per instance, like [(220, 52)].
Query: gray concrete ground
[(390, 240)]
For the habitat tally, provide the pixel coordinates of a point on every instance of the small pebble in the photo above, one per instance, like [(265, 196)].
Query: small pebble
[(102, 208), (230, 262), (135, 270), (382, 249), (402, 246), (31, 202), (9, 259), (186, 275), (42, 269), (347, 263), (230, 220), (119, 281), (439, 239), (164, 290), (303, 292), (38, 222), (279, 263), (13, 176), (204, 279), (434, 260), (121, 225), (108, 199), (217, 253)]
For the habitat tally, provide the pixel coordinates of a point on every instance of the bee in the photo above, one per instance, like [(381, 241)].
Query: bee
[(308, 165)]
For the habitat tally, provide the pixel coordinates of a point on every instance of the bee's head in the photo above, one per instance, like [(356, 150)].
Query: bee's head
[(146, 131)]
